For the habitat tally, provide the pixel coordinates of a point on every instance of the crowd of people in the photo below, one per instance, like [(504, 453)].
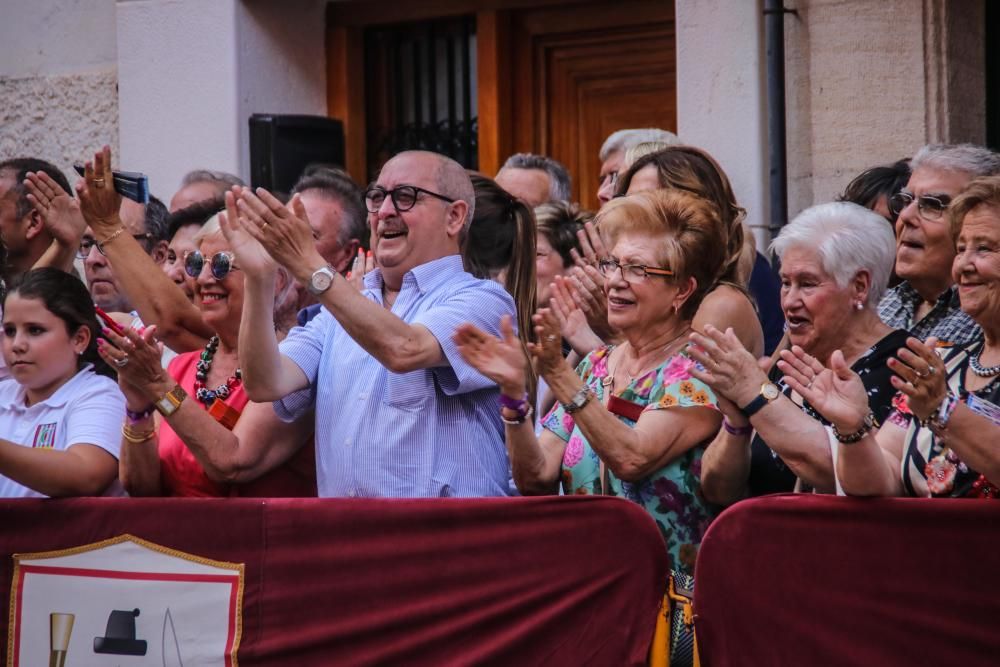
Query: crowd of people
[(442, 333)]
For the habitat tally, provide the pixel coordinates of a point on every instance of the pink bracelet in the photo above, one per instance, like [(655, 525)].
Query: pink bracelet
[(736, 430)]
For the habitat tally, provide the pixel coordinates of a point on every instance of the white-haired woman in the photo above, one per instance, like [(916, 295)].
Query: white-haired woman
[(835, 263)]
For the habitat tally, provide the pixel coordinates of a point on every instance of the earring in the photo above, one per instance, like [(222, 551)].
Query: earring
[(859, 306)]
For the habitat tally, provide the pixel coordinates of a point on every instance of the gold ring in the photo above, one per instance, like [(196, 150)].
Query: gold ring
[(264, 226), (98, 182)]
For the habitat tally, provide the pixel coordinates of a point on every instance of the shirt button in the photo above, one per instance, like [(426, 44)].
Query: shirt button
[(352, 493), (362, 396)]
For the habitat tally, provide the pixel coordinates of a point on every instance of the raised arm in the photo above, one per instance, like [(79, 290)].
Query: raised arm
[(268, 375), (61, 215), (287, 236), (156, 298)]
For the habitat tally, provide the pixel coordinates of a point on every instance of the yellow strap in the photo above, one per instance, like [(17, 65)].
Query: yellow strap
[(659, 651)]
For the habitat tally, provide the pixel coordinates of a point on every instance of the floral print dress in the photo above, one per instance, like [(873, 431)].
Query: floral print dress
[(672, 494)]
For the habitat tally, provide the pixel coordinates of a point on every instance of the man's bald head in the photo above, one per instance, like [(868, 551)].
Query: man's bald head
[(451, 178)]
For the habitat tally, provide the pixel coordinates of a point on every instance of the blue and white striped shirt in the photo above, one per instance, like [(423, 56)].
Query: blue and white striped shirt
[(426, 433)]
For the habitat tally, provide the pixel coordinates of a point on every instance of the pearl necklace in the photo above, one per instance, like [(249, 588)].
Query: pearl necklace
[(203, 394), (979, 369)]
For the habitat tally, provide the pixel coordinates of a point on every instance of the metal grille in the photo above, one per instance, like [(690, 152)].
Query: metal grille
[(421, 90)]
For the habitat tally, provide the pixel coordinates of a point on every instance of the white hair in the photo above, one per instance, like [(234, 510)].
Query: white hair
[(622, 140), (848, 239), (972, 159), (283, 297)]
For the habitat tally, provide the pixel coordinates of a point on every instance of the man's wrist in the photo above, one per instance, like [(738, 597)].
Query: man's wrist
[(305, 269)]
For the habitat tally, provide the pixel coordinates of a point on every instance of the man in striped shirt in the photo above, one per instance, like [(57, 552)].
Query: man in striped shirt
[(398, 412)]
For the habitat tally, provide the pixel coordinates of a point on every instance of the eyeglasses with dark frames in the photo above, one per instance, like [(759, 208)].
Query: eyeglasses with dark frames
[(404, 197), (221, 263), (88, 242), (930, 207), (631, 272)]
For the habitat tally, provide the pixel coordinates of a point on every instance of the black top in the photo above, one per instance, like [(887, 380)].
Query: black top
[(768, 473)]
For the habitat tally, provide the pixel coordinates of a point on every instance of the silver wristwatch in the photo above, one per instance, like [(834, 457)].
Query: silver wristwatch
[(321, 280)]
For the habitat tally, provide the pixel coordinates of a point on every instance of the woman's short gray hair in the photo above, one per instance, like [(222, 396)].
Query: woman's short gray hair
[(975, 160), (848, 239)]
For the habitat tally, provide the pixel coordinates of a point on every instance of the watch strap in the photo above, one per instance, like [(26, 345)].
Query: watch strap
[(579, 400), (754, 406), (170, 401)]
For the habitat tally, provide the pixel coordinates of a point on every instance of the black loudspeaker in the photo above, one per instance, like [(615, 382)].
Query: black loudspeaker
[(281, 146)]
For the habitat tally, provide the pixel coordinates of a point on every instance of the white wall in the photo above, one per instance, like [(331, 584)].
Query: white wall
[(58, 70), (192, 71), (720, 94)]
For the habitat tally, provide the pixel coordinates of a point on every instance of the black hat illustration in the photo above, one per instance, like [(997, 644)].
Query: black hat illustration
[(120, 633)]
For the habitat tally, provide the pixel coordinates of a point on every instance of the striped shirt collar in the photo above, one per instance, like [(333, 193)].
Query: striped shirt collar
[(426, 277)]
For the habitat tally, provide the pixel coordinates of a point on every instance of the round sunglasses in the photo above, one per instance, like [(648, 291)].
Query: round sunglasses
[(220, 264)]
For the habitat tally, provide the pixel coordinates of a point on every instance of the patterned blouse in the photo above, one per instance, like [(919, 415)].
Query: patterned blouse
[(672, 494), (930, 468)]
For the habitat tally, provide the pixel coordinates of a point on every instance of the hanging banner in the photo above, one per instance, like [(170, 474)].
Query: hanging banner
[(124, 601)]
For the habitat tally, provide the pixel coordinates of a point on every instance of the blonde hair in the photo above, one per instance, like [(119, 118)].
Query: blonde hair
[(982, 191), (687, 234)]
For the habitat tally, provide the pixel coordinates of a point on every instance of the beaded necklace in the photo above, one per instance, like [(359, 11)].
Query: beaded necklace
[(978, 368), (203, 394)]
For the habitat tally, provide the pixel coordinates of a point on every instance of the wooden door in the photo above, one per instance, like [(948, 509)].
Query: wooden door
[(554, 77), (578, 73)]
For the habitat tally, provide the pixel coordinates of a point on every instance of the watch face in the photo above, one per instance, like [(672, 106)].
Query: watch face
[(770, 391), (321, 280)]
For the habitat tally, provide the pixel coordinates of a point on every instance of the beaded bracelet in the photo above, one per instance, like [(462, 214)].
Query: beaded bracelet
[(850, 438), (134, 418)]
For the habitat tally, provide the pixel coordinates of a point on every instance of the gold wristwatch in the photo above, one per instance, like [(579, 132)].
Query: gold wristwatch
[(170, 401)]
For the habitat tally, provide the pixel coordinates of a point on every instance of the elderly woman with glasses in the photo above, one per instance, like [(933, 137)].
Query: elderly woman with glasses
[(189, 429), (941, 439), (631, 421), (835, 263)]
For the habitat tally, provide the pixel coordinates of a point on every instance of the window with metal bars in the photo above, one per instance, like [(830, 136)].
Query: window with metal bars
[(421, 90)]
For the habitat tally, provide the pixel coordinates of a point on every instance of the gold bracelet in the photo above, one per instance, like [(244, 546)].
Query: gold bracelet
[(137, 437), (118, 232)]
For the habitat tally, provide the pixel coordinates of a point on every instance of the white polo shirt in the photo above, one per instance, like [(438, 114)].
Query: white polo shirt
[(88, 409)]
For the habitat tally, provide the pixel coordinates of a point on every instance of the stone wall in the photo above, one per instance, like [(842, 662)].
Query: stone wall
[(58, 80)]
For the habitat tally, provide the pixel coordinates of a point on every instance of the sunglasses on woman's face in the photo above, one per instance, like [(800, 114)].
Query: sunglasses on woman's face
[(221, 263)]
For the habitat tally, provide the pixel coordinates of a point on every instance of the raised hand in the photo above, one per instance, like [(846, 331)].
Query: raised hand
[(836, 392), (250, 254), (592, 245), (727, 367), (284, 231), (920, 375), (59, 211), (572, 321), (363, 264), (500, 359), (547, 350), (136, 356), (99, 202)]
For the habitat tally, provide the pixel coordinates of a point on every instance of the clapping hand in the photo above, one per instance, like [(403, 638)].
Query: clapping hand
[(920, 374), (572, 321), (59, 211), (836, 392), (500, 359), (250, 254), (284, 231), (727, 367), (547, 350), (136, 355)]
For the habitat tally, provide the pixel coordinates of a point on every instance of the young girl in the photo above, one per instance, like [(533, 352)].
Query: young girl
[(59, 420)]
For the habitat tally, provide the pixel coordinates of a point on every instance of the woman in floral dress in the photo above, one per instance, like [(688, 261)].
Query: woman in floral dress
[(630, 421)]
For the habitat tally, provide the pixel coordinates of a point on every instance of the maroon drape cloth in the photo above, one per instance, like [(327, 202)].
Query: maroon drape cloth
[(820, 580), (417, 582)]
